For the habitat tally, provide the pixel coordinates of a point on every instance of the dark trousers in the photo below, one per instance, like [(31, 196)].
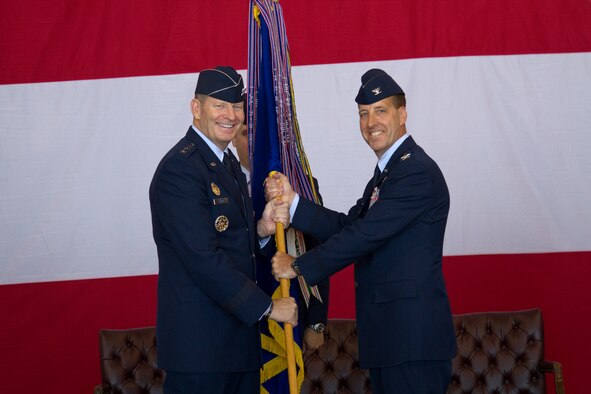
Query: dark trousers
[(413, 377), (212, 383)]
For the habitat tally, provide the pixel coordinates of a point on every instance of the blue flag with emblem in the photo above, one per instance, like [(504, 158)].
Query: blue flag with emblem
[(275, 145)]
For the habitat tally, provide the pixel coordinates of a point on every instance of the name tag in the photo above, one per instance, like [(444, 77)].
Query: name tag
[(220, 200)]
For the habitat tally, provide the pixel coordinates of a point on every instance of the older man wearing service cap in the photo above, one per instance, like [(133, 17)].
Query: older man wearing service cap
[(394, 236), (209, 305)]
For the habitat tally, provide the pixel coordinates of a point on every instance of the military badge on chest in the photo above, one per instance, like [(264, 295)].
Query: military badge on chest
[(221, 223), (215, 189), (374, 196)]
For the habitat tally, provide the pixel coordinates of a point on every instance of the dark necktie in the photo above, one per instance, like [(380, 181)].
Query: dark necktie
[(231, 165), (376, 176), (228, 164)]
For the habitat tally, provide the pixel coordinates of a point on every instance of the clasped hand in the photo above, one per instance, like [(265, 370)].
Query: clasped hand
[(279, 195), (276, 211), (285, 310), (281, 266), (277, 186)]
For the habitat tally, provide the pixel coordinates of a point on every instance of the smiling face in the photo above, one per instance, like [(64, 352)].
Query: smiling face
[(381, 124), (218, 120)]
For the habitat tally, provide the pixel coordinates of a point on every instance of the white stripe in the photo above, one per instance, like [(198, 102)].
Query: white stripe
[(511, 134), (77, 159)]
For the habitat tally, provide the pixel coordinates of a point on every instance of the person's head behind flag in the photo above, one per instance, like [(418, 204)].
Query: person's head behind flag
[(240, 142), (222, 83), (377, 85)]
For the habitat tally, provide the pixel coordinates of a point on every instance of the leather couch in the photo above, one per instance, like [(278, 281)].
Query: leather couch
[(497, 352)]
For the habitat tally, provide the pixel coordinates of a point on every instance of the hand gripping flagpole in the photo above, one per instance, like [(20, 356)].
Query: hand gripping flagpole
[(287, 327)]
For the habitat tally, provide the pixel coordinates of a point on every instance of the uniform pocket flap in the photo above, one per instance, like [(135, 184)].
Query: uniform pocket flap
[(395, 290)]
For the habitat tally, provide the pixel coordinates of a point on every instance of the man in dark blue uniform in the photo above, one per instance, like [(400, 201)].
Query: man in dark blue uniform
[(209, 305), (394, 236)]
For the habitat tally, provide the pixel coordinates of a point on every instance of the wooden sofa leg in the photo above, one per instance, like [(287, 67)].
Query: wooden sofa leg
[(554, 368)]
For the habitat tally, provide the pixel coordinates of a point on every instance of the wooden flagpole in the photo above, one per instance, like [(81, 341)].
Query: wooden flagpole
[(287, 327)]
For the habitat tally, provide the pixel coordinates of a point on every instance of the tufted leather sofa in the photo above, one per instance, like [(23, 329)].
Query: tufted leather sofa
[(128, 362), (501, 352), (498, 352)]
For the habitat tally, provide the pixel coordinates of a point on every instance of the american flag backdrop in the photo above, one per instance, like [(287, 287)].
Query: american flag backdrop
[(93, 94)]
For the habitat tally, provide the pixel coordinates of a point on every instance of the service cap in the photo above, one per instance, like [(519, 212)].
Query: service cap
[(376, 85), (222, 82)]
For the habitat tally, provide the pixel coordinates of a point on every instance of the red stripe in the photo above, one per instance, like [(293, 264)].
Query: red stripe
[(55, 40), (49, 330)]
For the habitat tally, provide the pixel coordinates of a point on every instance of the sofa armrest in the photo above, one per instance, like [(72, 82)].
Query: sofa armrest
[(555, 368)]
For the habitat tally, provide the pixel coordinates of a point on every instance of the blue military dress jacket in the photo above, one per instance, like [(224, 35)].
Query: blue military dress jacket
[(203, 226), (394, 234)]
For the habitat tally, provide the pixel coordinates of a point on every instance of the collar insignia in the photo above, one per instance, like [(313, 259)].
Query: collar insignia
[(404, 157)]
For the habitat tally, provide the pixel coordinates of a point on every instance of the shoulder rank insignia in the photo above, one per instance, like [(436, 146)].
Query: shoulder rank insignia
[(215, 189), (187, 149), (221, 223), (405, 156)]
